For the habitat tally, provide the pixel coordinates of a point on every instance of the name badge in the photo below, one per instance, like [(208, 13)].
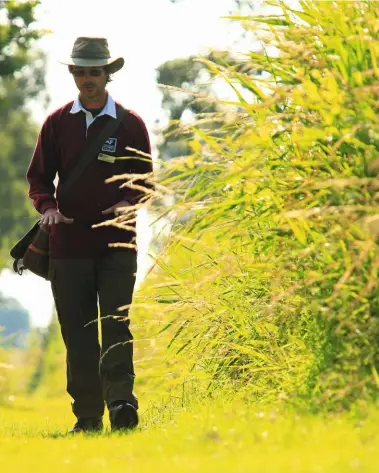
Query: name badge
[(106, 158)]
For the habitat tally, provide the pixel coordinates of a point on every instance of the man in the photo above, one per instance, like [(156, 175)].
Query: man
[(84, 266)]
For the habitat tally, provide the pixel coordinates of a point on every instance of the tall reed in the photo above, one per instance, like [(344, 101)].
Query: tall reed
[(269, 282)]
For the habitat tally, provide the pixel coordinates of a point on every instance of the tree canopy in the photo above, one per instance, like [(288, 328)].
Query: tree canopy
[(21, 79)]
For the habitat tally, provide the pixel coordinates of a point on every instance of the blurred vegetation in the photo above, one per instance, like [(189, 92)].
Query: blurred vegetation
[(21, 80), (187, 87), (48, 376)]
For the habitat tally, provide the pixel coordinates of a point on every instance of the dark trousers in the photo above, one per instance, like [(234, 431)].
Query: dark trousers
[(96, 374)]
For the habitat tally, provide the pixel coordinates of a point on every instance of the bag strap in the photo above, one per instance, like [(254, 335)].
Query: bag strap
[(95, 145)]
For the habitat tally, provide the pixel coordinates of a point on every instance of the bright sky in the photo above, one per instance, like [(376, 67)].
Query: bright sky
[(146, 33)]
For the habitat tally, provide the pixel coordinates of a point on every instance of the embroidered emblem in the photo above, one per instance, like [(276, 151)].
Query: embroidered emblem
[(110, 145)]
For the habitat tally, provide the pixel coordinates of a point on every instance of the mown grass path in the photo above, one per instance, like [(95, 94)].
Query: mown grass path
[(205, 438)]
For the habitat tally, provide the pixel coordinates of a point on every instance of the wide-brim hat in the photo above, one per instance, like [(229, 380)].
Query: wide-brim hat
[(93, 52)]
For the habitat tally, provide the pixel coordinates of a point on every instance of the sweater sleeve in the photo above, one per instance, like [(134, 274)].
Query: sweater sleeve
[(43, 168), (141, 163)]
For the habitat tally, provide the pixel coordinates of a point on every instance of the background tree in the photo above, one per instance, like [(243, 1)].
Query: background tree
[(21, 80), (194, 80), (188, 85)]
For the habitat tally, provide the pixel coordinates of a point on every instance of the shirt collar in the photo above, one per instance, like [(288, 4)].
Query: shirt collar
[(109, 108)]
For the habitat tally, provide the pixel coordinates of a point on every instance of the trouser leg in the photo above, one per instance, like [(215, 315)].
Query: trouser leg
[(74, 289), (115, 282)]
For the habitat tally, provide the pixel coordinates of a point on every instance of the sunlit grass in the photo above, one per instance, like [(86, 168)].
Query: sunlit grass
[(208, 437)]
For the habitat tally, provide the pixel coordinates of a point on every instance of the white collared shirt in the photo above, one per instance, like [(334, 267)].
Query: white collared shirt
[(109, 109)]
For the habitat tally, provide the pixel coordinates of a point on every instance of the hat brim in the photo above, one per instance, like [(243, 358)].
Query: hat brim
[(114, 65)]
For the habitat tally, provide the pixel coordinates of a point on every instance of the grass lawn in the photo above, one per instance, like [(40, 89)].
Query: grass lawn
[(211, 437)]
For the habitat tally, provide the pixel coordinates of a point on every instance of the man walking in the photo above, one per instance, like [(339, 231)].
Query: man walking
[(84, 266)]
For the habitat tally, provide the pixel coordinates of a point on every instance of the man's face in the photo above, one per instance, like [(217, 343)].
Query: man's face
[(90, 81)]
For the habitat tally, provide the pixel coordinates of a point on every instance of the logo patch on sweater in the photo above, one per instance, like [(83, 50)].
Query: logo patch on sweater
[(110, 145)]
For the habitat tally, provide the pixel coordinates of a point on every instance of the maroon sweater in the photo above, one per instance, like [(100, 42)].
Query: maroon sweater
[(61, 143)]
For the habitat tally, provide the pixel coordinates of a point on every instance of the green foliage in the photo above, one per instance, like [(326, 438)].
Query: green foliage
[(21, 79), (187, 85), (195, 78), (5, 375), (272, 284), (48, 377), (16, 34)]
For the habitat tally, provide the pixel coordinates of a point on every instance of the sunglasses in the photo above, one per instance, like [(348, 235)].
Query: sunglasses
[(83, 72)]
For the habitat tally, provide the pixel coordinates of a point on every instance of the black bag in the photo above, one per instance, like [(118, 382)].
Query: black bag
[(32, 251)]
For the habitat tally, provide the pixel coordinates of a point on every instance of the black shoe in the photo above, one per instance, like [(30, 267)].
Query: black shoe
[(87, 424), (123, 416)]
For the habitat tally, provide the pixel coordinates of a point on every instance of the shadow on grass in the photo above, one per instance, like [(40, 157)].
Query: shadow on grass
[(58, 434)]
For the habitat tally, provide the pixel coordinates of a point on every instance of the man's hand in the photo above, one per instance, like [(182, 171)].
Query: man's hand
[(53, 216), (118, 208)]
